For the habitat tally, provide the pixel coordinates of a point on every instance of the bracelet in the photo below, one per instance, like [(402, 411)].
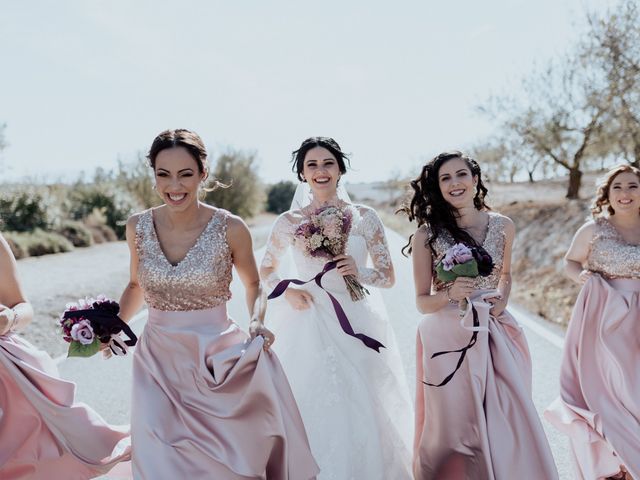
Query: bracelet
[(451, 300)]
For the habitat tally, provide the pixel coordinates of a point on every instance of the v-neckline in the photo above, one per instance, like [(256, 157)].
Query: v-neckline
[(486, 233), (186, 255)]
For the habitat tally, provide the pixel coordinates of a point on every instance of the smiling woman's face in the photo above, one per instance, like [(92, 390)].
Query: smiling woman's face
[(457, 184), (177, 177), (321, 171)]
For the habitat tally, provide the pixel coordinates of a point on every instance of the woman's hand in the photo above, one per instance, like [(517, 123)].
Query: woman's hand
[(299, 299), (346, 265), (498, 304), (461, 288), (256, 327), (584, 275), (7, 319)]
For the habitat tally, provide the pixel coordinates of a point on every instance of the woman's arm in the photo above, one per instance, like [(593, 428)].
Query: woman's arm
[(132, 298), (15, 312), (426, 301), (576, 256), (504, 283), (241, 245)]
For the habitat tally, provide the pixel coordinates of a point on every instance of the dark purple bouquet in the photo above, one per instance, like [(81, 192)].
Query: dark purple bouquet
[(91, 322), (324, 233)]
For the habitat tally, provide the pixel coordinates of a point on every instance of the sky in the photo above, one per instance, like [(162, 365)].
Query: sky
[(84, 83)]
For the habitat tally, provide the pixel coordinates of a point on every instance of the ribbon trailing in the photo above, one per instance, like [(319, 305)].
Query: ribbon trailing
[(462, 351), (105, 323), (342, 317)]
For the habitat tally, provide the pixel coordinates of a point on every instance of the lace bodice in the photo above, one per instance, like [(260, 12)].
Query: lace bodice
[(199, 281), (610, 255), (366, 240), (493, 243)]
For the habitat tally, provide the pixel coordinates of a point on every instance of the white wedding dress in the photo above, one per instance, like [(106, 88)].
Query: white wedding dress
[(354, 401)]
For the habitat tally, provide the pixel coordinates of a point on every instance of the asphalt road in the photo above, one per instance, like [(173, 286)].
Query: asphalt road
[(106, 384)]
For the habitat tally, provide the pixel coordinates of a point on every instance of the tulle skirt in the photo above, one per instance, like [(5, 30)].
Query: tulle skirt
[(209, 403), (354, 401), (599, 404), (482, 424), (44, 434)]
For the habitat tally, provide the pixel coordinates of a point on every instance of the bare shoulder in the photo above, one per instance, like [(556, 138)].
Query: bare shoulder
[(587, 231), (421, 237), (506, 223), (236, 225), (133, 220)]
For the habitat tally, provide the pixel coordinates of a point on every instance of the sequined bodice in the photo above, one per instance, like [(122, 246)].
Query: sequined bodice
[(493, 244), (199, 281), (610, 255)]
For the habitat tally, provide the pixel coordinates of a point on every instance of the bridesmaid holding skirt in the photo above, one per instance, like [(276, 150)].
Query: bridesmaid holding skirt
[(209, 401), (44, 434), (599, 404), (475, 417)]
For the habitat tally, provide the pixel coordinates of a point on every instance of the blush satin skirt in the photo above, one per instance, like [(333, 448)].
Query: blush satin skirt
[(210, 403)]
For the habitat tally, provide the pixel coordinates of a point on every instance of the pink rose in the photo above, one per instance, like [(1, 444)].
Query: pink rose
[(83, 332)]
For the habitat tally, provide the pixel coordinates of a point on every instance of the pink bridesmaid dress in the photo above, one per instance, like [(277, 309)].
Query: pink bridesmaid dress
[(44, 434), (599, 403), (207, 401), (482, 424)]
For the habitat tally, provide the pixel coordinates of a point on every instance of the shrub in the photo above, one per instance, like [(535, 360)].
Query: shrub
[(39, 242), (280, 196), (18, 250), (245, 196), (84, 199), (76, 232), (96, 222), (23, 211)]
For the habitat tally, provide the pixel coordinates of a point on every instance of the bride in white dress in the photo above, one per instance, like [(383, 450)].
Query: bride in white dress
[(354, 400)]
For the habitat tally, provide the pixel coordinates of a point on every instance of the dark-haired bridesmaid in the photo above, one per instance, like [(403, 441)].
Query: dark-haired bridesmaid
[(599, 404), (475, 417)]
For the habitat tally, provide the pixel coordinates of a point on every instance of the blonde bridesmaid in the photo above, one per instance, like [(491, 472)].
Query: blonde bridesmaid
[(209, 401), (599, 404), (475, 418)]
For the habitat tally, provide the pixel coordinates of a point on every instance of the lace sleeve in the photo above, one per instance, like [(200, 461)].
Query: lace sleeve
[(277, 245), (381, 275)]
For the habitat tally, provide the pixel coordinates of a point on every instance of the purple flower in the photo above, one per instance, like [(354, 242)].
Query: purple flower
[(484, 260), (456, 255), (83, 332)]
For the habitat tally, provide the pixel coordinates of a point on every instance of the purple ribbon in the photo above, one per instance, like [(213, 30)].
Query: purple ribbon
[(462, 351), (342, 317)]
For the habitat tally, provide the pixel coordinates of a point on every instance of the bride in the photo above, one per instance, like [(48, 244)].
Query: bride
[(353, 399)]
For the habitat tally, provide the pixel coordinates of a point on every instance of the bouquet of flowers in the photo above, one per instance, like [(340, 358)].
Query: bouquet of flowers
[(90, 322), (463, 261), (324, 234)]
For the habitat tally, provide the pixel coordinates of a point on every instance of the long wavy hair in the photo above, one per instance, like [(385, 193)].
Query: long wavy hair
[(428, 206), (601, 199)]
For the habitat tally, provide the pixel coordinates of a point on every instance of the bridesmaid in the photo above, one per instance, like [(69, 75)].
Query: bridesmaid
[(208, 401), (599, 404), (43, 433), (481, 424)]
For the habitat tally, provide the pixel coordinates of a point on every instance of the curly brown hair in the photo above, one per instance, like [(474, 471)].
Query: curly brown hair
[(601, 199), (428, 206)]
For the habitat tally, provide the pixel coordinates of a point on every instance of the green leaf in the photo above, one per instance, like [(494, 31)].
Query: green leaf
[(468, 269), (444, 275), (76, 349)]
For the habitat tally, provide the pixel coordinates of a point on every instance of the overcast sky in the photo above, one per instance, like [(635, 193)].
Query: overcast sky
[(85, 82)]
